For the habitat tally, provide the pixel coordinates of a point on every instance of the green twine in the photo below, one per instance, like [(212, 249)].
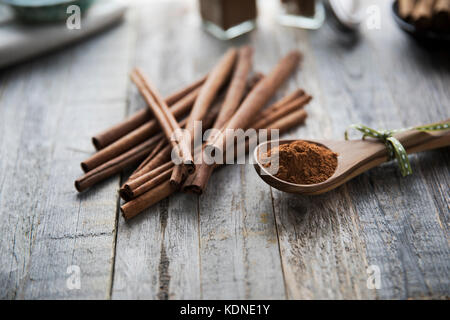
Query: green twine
[(394, 146)]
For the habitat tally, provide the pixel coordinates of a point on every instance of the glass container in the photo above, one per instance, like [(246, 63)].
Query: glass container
[(306, 14), (227, 19)]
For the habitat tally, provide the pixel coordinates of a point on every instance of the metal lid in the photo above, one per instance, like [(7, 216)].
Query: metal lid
[(346, 13)]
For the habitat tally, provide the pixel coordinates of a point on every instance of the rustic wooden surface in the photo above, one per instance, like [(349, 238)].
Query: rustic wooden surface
[(241, 239)]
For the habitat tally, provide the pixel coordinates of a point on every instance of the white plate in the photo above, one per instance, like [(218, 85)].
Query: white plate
[(19, 42)]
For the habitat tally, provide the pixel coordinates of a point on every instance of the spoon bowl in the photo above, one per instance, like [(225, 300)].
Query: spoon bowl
[(354, 157)]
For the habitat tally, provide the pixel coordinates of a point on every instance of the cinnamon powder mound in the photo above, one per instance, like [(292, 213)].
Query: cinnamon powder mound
[(303, 162)]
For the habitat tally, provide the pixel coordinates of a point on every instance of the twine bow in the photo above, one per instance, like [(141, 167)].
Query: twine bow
[(394, 146)]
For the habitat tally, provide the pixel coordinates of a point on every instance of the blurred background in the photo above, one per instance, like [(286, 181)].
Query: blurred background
[(31, 27), (65, 76)]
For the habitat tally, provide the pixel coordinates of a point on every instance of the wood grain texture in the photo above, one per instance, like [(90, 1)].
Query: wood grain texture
[(416, 251), (49, 109), (240, 239), (354, 89), (389, 227), (167, 263), (183, 250), (321, 246)]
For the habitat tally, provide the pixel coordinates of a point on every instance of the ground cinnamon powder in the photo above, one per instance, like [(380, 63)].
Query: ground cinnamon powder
[(303, 162)]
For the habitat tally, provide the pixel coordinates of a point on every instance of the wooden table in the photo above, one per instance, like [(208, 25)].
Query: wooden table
[(241, 239)]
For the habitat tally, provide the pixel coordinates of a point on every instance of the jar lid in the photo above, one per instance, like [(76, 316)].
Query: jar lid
[(346, 13)]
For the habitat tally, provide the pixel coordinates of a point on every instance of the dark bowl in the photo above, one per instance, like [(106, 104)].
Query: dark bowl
[(37, 11), (418, 34)]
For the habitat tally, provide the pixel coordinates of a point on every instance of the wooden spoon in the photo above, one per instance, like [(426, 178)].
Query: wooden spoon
[(354, 158)]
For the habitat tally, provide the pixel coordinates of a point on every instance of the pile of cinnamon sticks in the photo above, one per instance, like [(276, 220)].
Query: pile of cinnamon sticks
[(426, 14), (159, 139)]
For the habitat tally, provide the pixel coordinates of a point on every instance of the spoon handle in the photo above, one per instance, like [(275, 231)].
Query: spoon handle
[(418, 141)]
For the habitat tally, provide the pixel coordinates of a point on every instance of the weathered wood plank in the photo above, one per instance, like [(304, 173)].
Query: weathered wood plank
[(321, 239), (238, 240), (226, 243), (322, 250), (414, 212), (49, 109), (352, 81), (430, 69), (167, 263), (179, 250)]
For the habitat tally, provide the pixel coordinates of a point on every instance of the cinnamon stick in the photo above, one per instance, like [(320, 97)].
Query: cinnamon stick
[(423, 13), (162, 191), (207, 121), (165, 118), (161, 158), (278, 110), (289, 121), (259, 96), (164, 176), (117, 164), (177, 96), (138, 135), (255, 78), (179, 174), (237, 87), (145, 182), (441, 12), (233, 98), (197, 182), (405, 8), (297, 93), (208, 92), (155, 195), (164, 155), (119, 130), (159, 147)]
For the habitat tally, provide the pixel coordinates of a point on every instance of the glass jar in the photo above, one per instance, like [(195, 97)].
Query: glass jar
[(306, 14), (227, 19)]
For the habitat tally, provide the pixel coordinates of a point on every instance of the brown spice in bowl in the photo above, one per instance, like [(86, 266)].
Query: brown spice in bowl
[(303, 162)]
